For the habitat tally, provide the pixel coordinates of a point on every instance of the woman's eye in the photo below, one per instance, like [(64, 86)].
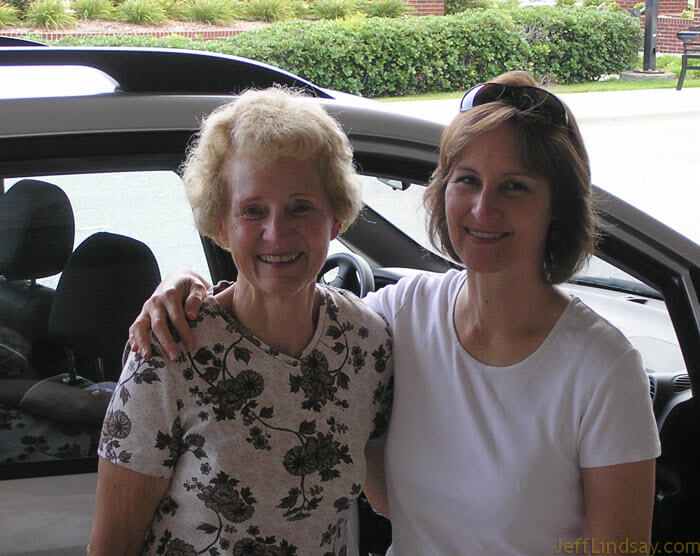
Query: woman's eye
[(252, 212), (466, 180), (515, 187), (301, 208)]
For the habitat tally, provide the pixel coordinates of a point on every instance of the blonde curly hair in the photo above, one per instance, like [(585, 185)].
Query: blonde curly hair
[(267, 124)]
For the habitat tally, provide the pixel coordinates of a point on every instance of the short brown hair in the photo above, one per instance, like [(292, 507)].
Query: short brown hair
[(553, 152), (266, 124)]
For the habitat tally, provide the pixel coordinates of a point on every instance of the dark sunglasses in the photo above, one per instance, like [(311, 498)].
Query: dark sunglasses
[(522, 97)]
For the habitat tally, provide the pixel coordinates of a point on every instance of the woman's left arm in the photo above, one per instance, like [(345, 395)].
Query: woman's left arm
[(124, 507), (619, 502)]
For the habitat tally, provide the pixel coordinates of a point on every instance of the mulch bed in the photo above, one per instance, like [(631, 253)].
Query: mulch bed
[(187, 29)]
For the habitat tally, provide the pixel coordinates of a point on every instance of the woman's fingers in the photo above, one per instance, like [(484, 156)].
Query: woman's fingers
[(139, 337), (195, 298), (178, 295)]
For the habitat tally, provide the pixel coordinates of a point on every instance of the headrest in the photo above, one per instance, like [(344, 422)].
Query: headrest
[(36, 230), (103, 286)]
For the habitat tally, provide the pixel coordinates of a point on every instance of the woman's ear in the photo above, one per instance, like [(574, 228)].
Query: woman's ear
[(220, 237), (335, 230)]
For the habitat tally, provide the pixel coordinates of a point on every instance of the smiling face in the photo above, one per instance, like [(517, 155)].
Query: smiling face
[(278, 224), (497, 212)]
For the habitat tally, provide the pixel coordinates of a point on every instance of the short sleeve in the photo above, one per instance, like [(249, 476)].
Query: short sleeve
[(142, 429), (618, 425), (389, 300)]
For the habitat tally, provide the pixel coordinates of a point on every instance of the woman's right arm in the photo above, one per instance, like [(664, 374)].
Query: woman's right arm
[(176, 298), (375, 480), (124, 507)]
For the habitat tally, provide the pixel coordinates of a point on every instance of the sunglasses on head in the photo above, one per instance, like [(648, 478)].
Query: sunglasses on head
[(522, 97)]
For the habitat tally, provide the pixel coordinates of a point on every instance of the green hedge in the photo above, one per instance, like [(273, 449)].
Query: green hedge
[(576, 45), (387, 57), (396, 57)]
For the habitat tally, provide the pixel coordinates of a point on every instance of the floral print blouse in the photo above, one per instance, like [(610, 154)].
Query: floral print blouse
[(265, 452)]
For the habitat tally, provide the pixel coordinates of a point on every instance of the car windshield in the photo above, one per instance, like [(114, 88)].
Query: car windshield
[(402, 204)]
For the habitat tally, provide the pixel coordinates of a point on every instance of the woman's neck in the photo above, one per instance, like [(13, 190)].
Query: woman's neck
[(501, 321), (286, 324)]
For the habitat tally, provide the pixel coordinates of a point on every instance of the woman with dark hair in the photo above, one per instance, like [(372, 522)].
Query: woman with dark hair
[(521, 419)]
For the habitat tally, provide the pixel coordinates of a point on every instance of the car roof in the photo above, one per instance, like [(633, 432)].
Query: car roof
[(160, 70)]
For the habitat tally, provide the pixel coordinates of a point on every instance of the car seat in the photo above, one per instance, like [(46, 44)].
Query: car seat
[(103, 286), (36, 238)]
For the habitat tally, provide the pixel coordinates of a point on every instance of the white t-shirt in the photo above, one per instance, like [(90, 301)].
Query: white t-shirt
[(487, 460)]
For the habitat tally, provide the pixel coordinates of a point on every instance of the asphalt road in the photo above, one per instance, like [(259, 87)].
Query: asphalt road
[(644, 147)]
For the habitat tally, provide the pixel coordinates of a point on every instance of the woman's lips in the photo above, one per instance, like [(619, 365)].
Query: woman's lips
[(277, 259), (486, 235)]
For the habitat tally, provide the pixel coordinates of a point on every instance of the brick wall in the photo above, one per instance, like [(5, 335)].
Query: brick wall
[(427, 7), (667, 26), (674, 7), (57, 35), (666, 7)]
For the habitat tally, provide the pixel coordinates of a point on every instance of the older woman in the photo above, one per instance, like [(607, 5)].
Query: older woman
[(524, 425), (253, 440)]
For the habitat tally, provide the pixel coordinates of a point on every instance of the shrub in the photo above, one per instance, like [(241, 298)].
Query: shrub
[(333, 9), (301, 9), (402, 56), (144, 12), (385, 8), (378, 57), (21, 5), (574, 45), (93, 9), (565, 3), (9, 15), (210, 11), (51, 14), (268, 10), (178, 10), (456, 6)]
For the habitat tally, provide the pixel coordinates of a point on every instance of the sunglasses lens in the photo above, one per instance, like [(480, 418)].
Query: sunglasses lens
[(489, 92), (523, 98)]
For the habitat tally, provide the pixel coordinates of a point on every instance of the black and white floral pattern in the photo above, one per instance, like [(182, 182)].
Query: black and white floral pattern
[(265, 451)]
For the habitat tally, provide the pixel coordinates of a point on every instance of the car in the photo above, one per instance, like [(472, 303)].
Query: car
[(91, 202)]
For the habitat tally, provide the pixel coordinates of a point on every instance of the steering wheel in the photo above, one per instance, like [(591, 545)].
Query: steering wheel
[(354, 273)]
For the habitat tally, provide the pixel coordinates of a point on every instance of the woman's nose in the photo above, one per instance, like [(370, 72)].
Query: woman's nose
[(486, 205), (277, 226)]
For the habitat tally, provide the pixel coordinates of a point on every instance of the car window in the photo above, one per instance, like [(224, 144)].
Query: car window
[(638, 310), (52, 397), (148, 206), (52, 81), (402, 204)]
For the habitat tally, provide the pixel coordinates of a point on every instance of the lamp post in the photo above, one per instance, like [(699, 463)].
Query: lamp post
[(650, 12)]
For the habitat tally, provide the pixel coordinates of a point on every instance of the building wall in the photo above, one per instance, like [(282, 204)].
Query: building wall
[(666, 7), (428, 7), (667, 26)]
